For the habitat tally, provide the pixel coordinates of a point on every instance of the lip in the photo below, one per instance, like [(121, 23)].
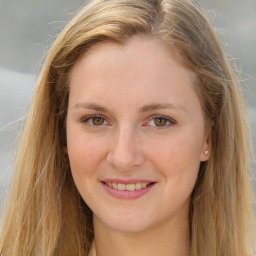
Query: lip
[(124, 194), (127, 181)]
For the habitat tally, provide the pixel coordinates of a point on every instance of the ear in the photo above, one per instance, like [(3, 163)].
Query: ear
[(207, 144)]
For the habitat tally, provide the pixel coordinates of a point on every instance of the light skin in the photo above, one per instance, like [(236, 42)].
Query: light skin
[(133, 115)]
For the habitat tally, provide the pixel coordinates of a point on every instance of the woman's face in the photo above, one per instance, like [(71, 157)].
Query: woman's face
[(135, 134)]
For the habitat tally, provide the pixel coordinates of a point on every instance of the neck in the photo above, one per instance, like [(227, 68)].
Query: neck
[(172, 239)]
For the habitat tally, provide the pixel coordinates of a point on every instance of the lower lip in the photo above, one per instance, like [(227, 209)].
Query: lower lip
[(125, 194)]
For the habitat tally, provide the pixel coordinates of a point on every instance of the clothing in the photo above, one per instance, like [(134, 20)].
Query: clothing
[(92, 251)]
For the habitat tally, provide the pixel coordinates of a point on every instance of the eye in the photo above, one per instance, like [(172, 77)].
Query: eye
[(161, 121), (94, 120), (97, 120)]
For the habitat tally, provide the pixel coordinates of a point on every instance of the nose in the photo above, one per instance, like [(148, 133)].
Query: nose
[(126, 153)]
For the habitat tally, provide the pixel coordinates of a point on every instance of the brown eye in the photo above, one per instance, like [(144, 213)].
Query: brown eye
[(97, 120), (160, 121)]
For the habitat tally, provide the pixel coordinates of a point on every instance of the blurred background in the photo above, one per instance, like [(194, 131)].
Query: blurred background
[(28, 27)]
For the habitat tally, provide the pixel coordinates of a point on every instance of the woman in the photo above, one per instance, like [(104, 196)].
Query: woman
[(136, 141)]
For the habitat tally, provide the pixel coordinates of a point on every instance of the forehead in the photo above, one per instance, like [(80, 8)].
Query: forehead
[(142, 68), (139, 49)]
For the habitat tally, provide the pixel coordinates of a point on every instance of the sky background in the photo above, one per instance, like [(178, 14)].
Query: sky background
[(28, 27)]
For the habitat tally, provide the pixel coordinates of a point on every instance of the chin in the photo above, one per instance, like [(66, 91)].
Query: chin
[(125, 223), (131, 227)]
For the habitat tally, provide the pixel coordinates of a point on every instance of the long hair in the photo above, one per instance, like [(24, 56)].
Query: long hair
[(45, 215)]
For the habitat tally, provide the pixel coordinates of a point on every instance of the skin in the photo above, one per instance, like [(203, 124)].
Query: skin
[(118, 83)]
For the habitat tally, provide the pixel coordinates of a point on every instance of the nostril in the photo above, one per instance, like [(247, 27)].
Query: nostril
[(125, 159)]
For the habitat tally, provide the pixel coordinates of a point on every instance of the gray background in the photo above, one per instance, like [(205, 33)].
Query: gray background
[(28, 27)]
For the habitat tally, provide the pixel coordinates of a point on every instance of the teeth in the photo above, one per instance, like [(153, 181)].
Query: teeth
[(121, 186), (109, 184), (128, 187), (144, 185), (138, 186)]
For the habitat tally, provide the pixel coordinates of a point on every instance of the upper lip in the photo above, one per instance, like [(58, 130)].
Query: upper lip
[(130, 181)]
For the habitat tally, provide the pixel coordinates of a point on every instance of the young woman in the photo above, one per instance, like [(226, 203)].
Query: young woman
[(136, 141)]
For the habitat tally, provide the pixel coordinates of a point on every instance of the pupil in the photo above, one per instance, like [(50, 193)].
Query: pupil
[(160, 121), (97, 120)]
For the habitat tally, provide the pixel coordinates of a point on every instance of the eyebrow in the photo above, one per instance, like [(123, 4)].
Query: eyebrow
[(143, 109), (92, 106), (158, 106)]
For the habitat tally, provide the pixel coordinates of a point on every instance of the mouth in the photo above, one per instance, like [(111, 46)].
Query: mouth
[(128, 187)]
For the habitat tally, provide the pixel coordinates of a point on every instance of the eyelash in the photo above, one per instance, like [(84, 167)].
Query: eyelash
[(88, 120), (170, 121)]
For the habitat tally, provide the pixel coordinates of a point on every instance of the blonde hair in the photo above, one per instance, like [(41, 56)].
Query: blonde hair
[(45, 214)]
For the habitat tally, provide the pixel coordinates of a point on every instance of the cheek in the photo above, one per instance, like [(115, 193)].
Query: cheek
[(179, 151), (178, 155), (85, 154)]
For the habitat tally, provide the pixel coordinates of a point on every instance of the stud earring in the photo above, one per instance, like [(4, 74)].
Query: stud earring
[(206, 152)]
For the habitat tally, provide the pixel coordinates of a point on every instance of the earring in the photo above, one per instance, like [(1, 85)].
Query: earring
[(206, 152)]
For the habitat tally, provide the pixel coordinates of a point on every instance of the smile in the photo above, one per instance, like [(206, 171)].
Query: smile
[(128, 187)]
